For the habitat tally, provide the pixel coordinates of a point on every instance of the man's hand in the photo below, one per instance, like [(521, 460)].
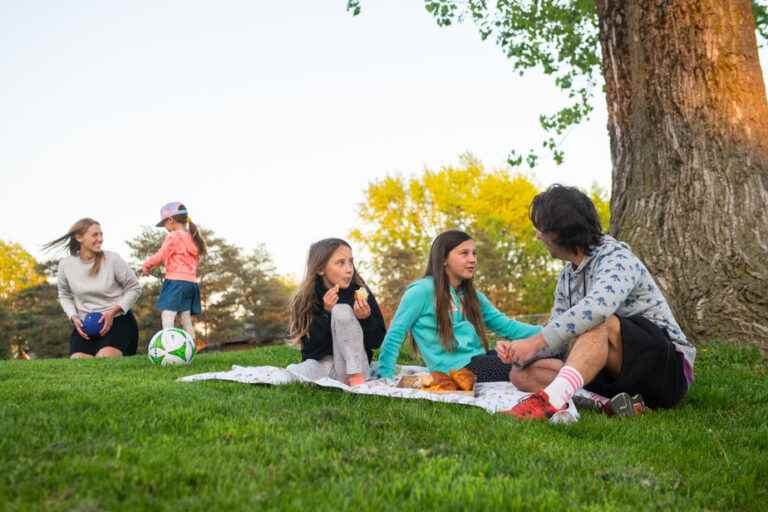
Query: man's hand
[(520, 352)]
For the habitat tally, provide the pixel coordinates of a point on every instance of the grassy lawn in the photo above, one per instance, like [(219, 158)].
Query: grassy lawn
[(123, 435)]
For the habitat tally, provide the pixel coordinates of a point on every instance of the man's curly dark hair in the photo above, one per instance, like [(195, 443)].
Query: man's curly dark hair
[(568, 213)]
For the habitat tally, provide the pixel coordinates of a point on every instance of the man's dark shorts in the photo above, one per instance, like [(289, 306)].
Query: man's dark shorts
[(650, 366)]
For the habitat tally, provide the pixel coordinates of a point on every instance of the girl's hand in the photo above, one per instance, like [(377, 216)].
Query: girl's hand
[(502, 349), (361, 308), (520, 352), (106, 319), (330, 298), (79, 326), (145, 270)]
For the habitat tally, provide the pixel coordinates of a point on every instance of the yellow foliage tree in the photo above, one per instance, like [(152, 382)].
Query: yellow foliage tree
[(401, 216), (17, 270)]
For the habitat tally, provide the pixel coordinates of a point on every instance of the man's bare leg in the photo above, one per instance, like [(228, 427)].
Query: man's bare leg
[(598, 348), (535, 376)]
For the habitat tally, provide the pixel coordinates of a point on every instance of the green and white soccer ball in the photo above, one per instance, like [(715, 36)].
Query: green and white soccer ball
[(171, 347)]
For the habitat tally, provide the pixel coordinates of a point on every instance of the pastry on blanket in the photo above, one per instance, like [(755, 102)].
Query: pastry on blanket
[(416, 381), (464, 378), (441, 382), (361, 294)]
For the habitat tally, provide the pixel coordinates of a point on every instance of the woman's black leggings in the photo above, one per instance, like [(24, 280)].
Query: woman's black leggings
[(489, 368)]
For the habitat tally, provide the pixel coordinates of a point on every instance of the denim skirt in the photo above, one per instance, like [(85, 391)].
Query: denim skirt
[(179, 296)]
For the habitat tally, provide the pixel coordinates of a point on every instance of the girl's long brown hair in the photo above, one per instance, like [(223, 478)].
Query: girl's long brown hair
[(73, 246), (305, 300), (197, 237), (438, 254)]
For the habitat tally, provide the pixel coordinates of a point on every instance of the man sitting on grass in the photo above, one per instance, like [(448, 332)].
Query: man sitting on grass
[(610, 322)]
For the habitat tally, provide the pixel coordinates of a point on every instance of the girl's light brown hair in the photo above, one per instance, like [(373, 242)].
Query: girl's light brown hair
[(438, 254), (69, 240), (197, 237), (305, 300)]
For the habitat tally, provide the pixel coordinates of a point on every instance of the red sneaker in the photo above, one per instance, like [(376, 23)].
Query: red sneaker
[(535, 407)]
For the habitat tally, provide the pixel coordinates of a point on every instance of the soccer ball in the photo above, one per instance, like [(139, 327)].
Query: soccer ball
[(171, 347)]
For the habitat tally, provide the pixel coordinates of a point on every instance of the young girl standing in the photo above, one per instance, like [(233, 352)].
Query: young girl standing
[(180, 255), (334, 316), (447, 317)]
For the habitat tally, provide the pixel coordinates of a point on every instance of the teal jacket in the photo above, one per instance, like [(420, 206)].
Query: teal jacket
[(416, 313)]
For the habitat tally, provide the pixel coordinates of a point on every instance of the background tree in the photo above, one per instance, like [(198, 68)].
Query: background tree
[(18, 269), (34, 320), (261, 296), (5, 342), (688, 126), (401, 217)]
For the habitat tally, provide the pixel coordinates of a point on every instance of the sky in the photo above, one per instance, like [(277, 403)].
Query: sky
[(267, 119)]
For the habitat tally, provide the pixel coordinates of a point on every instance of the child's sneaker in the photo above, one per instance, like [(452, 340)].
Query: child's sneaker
[(200, 345), (535, 407), (625, 405)]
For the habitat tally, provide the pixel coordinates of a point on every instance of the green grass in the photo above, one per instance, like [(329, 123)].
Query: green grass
[(123, 435)]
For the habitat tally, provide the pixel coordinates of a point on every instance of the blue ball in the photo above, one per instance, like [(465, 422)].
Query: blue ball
[(92, 324)]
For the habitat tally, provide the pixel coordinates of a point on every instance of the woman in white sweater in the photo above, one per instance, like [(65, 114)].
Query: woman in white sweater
[(96, 290)]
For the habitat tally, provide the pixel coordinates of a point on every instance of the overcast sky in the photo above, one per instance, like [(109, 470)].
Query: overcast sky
[(268, 119)]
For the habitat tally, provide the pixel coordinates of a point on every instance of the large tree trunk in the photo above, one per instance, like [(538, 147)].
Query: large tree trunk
[(688, 123)]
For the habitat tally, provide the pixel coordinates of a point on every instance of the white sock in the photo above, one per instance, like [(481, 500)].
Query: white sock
[(566, 383), (186, 323), (168, 317)]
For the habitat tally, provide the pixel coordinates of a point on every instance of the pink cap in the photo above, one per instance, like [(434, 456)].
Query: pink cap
[(169, 210)]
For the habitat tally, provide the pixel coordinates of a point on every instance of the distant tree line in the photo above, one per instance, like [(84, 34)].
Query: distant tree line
[(242, 295)]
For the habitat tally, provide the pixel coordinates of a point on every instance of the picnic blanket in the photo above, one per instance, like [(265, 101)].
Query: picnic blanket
[(491, 396)]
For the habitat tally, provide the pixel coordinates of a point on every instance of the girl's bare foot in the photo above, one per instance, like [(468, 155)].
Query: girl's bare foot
[(355, 379)]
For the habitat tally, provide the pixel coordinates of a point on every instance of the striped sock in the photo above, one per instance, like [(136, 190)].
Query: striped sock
[(566, 383)]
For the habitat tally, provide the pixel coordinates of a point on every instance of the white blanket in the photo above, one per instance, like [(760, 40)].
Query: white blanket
[(491, 396)]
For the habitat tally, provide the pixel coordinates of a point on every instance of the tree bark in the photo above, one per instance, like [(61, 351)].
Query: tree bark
[(688, 125)]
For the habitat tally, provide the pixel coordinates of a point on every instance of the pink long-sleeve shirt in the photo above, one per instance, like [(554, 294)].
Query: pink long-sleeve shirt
[(179, 256)]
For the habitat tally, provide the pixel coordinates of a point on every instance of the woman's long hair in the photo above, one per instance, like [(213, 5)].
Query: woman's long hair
[(69, 241), (438, 255), (197, 237), (305, 300)]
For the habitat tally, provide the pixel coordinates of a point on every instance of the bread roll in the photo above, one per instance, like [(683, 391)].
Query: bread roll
[(361, 293), (464, 378), (415, 381), (441, 382)]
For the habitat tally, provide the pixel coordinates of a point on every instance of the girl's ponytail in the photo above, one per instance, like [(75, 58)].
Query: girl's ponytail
[(197, 237), (202, 248)]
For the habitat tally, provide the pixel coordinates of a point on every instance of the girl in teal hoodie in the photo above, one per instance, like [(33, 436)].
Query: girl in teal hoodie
[(447, 317)]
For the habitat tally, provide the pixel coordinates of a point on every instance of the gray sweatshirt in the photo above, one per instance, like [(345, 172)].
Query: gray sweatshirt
[(81, 293), (610, 281)]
